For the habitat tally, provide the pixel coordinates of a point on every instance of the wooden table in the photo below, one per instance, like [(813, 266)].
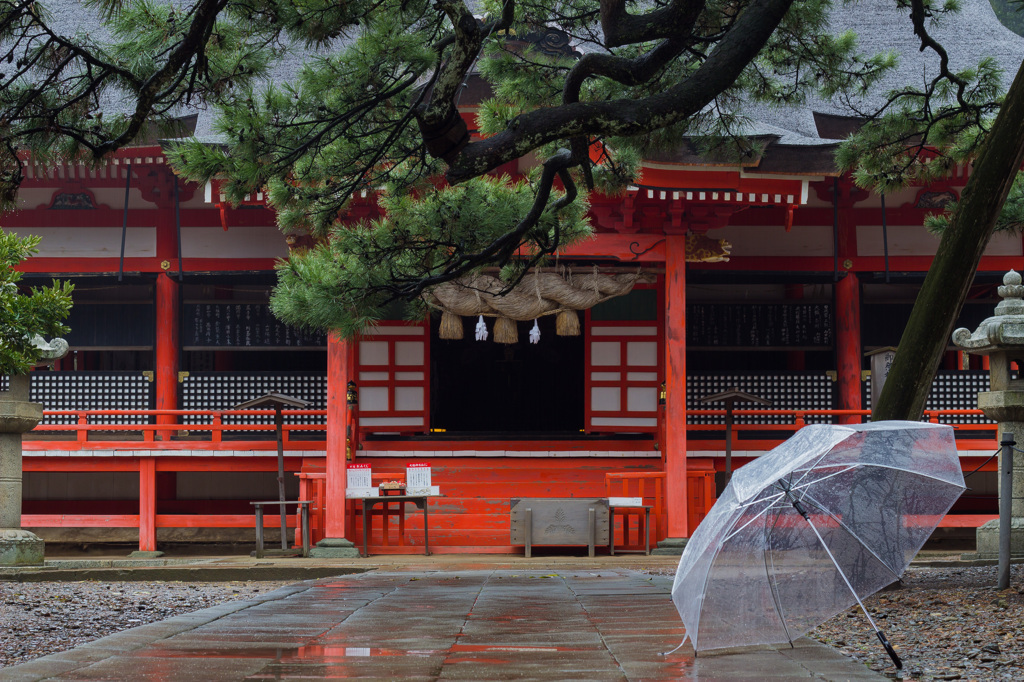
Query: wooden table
[(624, 512), (370, 502)]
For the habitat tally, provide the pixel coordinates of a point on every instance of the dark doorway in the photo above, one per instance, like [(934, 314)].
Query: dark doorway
[(516, 388)]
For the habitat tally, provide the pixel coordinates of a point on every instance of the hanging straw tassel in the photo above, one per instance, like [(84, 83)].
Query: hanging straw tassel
[(506, 331), (535, 333), (481, 329), (451, 326), (567, 323)]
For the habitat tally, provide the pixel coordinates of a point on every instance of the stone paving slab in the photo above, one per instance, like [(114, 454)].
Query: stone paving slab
[(479, 624)]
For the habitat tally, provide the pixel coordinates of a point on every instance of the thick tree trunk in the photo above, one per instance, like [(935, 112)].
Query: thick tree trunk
[(928, 331)]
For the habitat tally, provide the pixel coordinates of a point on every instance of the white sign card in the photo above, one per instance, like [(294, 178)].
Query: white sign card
[(359, 476), (625, 501), (417, 476)]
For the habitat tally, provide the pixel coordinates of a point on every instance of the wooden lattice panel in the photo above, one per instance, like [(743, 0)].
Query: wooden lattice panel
[(224, 390), (82, 390), (787, 391), (951, 390)]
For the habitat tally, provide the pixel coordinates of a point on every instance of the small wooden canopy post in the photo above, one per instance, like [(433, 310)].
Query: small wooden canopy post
[(730, 398), (277, 401)]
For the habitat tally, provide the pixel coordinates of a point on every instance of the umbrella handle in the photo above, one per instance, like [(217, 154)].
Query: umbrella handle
[(889, 650)]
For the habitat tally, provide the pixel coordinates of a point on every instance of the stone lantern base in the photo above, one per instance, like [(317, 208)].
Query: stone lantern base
[(988, 539), (20, 547)]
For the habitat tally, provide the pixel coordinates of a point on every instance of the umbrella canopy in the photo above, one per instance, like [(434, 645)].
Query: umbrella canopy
[(827, 518)]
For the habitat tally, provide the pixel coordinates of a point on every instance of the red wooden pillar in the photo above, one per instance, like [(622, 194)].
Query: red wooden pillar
[(147, 504), (675, 395), (167, 316), (339, 423), (848, 344)]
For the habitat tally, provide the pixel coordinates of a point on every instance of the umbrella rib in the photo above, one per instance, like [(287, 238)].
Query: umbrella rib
[(810, 468), (804, 486), (820, 506), (761, 499), (752, 519), (772, 584)]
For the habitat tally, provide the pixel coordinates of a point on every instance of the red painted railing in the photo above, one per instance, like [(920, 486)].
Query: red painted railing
[(190, 429), (759, 436), (207, 430), (311, 487)]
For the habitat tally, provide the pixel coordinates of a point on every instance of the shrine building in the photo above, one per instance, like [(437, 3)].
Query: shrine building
[(776, 276)]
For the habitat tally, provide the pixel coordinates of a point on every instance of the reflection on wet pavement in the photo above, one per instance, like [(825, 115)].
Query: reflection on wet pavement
[(452, 625)]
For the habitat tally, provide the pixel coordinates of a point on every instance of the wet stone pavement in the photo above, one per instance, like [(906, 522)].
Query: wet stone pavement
[(435, 625)]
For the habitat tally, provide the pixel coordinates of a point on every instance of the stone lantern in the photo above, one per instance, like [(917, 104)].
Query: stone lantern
[(1001, 338), (19, 547)]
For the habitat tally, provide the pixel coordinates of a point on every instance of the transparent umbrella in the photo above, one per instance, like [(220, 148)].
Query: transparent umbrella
[(824, 520)]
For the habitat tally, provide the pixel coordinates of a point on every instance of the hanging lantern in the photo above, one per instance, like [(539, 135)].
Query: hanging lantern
[(351, 394), (662, 395)]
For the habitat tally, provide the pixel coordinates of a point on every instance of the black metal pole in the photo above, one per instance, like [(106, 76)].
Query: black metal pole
[(728, 440), (177, 224), (1005, 508), (885, 241), (124, 219), (835, 229)]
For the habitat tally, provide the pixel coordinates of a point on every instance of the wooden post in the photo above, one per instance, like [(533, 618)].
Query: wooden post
[(339, 418), (848, 345), (279, 428), (167, 300), (675, 394), (147, 504)]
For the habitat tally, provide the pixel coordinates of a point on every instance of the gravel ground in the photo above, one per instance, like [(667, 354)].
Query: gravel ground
[(37, 619), (946, 624)]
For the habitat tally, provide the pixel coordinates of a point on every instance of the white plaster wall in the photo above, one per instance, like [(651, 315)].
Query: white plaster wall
[(773, 240), (908, 240), (93, 242), (264, 241)]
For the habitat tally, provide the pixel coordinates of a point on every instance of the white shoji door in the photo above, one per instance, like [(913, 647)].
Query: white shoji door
[(393, 375)]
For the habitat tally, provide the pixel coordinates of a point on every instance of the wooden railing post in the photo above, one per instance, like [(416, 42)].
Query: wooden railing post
[(147, 504), (82, 435)]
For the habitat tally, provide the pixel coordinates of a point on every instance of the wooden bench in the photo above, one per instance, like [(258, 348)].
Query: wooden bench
[(559, 521)]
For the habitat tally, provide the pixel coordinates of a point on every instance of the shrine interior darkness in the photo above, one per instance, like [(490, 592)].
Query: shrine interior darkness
[(514, 389)]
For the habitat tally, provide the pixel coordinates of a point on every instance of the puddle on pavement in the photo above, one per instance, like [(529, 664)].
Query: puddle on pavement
[(326, 653)]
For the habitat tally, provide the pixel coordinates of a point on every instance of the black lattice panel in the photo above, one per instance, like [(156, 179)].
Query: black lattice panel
[(224, 390), (91, 391), (951, 390), (787, 391)]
